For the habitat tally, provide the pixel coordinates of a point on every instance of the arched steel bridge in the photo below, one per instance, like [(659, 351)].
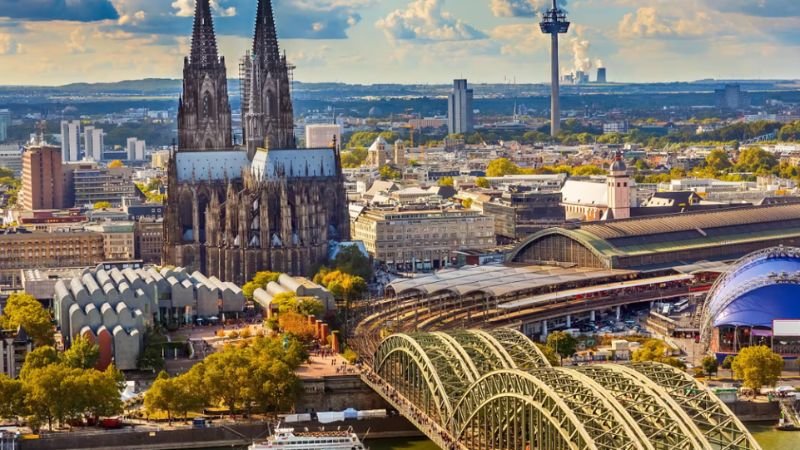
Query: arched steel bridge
[(475, 390)]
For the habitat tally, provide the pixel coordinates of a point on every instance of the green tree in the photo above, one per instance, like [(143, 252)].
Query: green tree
[(226, 378), (446, 181), (755, 160), (39, 358), (757, 366), (102, 205), (351, 260), (718, 160), (82, 354), (482, 182), (563, 344), (727, 363), (23, 310), (11, 397), (710, 365), (172, 396)]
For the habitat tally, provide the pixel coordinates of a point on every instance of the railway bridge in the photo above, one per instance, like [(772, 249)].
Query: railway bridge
[(495, 390)]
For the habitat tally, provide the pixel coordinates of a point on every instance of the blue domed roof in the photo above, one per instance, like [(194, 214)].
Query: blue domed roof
[(758, 289)]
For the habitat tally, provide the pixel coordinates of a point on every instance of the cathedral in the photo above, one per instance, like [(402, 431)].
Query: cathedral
[(233, 211)]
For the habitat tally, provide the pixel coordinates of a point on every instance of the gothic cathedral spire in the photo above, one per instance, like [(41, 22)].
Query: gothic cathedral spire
[(267, 112), (204, 115), (265, 42)]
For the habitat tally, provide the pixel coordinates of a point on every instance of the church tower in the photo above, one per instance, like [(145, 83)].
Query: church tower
[(619, 190), (267, 110), (204, 112)]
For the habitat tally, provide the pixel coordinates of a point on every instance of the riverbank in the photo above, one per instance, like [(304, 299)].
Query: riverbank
[(232, 435)]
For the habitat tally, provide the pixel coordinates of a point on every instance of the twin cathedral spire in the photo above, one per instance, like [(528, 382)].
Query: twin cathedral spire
[(204, 113)]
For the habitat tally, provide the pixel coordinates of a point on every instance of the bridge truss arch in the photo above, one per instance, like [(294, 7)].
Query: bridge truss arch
[(495, 390)]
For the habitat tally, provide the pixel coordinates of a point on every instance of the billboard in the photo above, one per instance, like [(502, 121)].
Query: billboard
[(786, 328)]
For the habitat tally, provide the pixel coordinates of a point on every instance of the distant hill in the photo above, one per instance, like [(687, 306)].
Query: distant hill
[(148, 85)]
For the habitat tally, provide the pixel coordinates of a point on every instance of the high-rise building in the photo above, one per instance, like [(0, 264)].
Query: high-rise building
[(459, 109), (70, 140), (321, 135), (92, 184), (93, 143), (42, 178), (601, 75), (5, 122), (732, 97), (11, 158), (136, 149)]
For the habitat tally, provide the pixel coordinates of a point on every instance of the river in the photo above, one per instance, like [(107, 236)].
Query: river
[(770, 439), (765, 434)]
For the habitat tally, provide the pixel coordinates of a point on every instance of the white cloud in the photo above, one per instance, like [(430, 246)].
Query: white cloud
[(647, 22), (185, 8), (427, 20), (522, 8), (8, 46)]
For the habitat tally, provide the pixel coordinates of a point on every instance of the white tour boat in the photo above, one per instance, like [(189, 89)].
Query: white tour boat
[(288, 439)]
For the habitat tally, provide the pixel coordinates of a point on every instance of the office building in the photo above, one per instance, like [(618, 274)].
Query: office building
[(92, 184), (460, 118), (40, 250), (70, 140), (42, 179), (160, 159), (5, 122), (149, 240), (601, 75), (412, 240), (136, 149), (119, 241), (321, 136), (93, 143), (732, 97), (11, 158)]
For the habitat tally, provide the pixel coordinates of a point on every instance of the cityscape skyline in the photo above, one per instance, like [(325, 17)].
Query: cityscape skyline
[(427, 41)]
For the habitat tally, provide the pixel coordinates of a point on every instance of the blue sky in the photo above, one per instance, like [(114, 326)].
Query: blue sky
[(407, 41)]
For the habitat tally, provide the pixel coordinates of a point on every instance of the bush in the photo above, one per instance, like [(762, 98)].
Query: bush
[(350, 356)]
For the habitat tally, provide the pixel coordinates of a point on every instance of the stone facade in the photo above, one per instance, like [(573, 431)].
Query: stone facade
[(232, 212), (204, 112)]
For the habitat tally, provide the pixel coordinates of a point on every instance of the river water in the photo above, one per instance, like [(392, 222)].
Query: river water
[(770, 439), (765, 434)]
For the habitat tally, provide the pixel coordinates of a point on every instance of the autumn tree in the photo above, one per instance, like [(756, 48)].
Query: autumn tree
[(23, 310), (446, 181), (115, 164), (350, 259), (297, 325), (482, 182), (102, 205), (305, 306), (656, 351), (757, 366), (501, 167)]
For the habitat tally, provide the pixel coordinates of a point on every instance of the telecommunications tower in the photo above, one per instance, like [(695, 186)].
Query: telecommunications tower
[(554, 22)]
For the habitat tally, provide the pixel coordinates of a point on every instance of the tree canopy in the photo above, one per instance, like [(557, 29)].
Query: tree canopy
[(352, 261), (260, 280), (305, 306), (562, 343), (23, 310), (657, 351), (757, 366), (257, 375)]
